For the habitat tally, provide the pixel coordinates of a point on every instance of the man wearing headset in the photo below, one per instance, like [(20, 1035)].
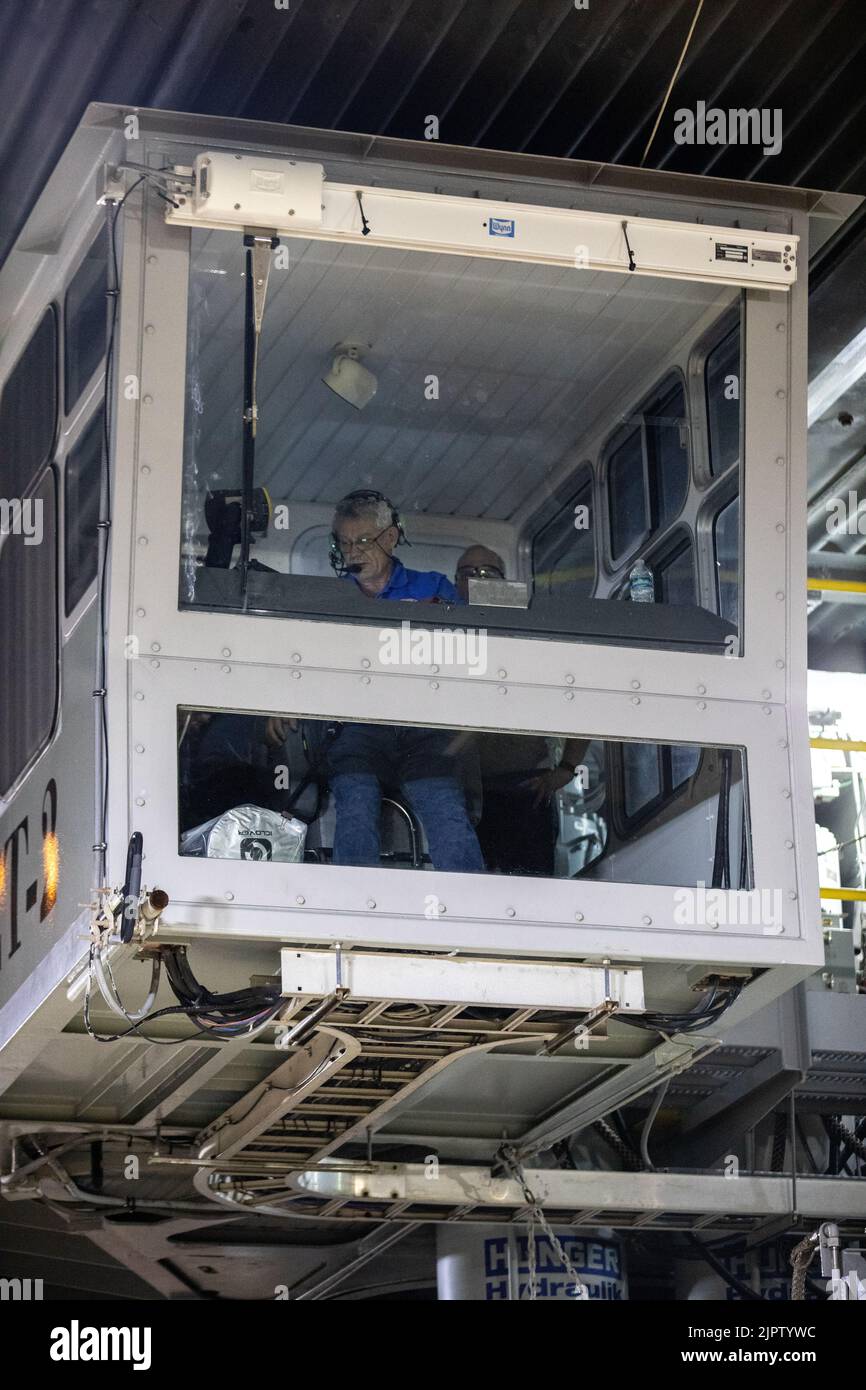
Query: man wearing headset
[(366, 531), (365, 758)]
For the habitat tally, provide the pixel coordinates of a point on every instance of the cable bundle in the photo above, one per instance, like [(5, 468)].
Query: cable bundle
[(708, 1011), (230, 1014), (238, 1013)]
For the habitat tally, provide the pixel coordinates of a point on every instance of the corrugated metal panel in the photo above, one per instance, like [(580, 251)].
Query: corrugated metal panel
[(533, 75)]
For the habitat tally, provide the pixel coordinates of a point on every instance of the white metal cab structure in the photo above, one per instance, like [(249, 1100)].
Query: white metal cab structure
[(576, 367)]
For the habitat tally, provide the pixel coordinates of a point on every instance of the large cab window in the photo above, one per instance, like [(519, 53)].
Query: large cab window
[(288, 788), (459, 396)]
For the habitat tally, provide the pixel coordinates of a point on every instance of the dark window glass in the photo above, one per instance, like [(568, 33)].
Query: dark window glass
[(627, 495), (722, 373), (641, 776), (651, 775), (668, 451), (28, 632), (85, 320), (81, 497), (232, 805), (726, 546), (564, 552), (684, 762), (28, 411), (675, 578)]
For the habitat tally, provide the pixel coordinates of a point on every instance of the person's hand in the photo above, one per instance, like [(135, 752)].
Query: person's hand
[(277, 730), (546, 784)]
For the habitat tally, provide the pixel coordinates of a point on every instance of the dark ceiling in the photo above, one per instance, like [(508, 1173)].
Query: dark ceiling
[(541, 76)]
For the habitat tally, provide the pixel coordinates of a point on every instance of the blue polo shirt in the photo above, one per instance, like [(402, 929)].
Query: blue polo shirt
[(419, 586)]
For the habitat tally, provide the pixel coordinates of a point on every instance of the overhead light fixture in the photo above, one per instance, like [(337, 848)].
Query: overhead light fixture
[(349, 378)]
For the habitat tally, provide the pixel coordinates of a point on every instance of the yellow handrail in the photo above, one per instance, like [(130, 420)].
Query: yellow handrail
[(848, 745), (839, 586), (845, 895)]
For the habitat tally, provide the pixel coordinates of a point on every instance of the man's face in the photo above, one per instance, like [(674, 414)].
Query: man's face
[(363, 542), (477, 563)]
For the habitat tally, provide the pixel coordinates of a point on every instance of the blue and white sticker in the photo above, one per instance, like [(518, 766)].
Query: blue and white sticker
[(501, 226)]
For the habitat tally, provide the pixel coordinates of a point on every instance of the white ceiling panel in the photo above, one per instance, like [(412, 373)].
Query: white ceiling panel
[(528, 359)]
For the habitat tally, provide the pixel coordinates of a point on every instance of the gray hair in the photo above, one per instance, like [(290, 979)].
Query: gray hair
[(350, 508)]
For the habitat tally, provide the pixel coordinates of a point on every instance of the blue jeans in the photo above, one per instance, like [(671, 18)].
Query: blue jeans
[(439, 804), (365, 758)]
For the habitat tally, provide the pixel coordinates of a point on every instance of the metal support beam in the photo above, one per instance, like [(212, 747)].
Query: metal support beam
[(602, 1192)]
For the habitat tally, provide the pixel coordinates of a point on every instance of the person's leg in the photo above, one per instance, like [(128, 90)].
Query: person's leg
[(357, 763), (357, 801), (440, 805)]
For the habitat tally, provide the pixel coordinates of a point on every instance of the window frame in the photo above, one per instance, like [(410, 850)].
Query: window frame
[(47, 474), (733, 319), (717, 503), (675, 544), (97, 416), (50, 311), (582, 479), (70, 404), (667, 383), (673, 381), (627, 826), (612, 446), (717, 347), (668, 547)]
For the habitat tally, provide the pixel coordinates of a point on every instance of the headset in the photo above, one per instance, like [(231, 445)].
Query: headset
[(335, 554)]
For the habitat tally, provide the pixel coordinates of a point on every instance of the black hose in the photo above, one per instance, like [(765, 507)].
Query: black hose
[(722, 856), (743, 880)]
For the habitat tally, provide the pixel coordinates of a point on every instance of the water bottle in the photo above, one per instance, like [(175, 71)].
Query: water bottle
[(640, 584)]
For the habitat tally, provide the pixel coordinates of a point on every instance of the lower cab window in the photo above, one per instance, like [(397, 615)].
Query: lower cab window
[(281, 788)]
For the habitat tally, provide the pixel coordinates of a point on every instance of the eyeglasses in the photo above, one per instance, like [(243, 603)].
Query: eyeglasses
[(344, 543), (480, 572)]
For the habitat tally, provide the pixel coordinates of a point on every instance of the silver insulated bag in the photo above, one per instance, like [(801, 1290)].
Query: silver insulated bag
[(247, 832)]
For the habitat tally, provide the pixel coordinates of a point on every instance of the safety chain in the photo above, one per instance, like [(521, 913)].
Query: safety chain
[(800, 1258), (512, 1164)]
